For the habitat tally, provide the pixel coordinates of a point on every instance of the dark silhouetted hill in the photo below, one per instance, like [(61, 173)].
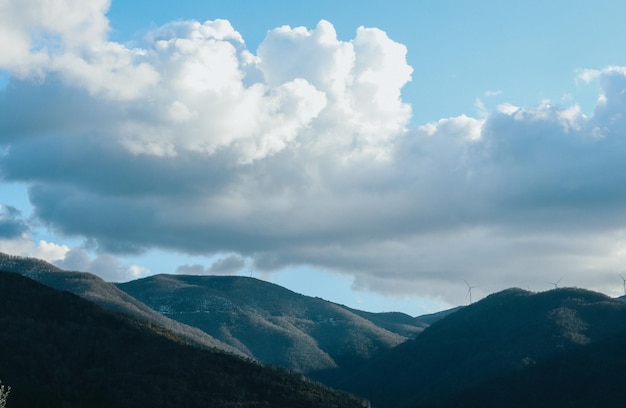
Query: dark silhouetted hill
[(592, 375), (107, 295), (59, 350), (507, 339)]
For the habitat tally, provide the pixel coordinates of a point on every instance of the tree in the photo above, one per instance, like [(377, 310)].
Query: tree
[(4, 394)]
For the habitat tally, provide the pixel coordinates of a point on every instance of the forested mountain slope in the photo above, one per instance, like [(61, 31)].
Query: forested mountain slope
[(505, 335), (59, 350), (92, 288), (271, 323)]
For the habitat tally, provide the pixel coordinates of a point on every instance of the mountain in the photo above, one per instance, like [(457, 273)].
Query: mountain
[(402, 323), (592, 375), (565, 347), (107, 295), (428, 319), (396, 322), (268, 322), (498, 341), (248, 317), (59, 350)]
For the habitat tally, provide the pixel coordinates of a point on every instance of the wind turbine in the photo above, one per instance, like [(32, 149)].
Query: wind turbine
[(624, 279), (556, 284), (469, 290)]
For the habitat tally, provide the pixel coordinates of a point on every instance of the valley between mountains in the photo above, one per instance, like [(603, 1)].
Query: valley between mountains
[(182, 340)]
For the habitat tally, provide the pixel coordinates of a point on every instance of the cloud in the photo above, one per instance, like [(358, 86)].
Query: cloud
[(68, 38), (493, 93), (194, 87), (107, 266), (362, 80), (11, 224), (300, 155), (228, 265), (30, 31), (24, 246)]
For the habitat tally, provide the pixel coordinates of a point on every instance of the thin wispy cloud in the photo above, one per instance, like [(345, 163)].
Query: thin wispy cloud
[(493, 93)]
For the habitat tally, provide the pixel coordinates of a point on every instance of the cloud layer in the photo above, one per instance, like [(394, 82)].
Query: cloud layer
[(299, 154)]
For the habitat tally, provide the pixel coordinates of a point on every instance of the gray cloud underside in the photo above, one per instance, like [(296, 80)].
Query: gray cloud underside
[(528, 195), (11, 223), (229, 265), (288, 163)]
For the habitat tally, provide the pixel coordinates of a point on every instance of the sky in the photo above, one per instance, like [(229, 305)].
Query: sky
[(383, 155)]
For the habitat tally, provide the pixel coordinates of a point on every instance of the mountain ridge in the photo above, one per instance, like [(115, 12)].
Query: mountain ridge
[(60, 350), (512, 348), (93, 288), (250, 317), (251, 314), (503, 333)]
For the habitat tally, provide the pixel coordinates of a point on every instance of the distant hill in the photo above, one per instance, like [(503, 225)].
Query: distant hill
[(273, 324), (428, 319), (509, 338), (395, 322), (59, 350), (92, 288), (248, 317)]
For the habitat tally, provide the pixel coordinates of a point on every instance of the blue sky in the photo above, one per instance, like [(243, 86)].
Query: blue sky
[(373, 153), (459, 50)]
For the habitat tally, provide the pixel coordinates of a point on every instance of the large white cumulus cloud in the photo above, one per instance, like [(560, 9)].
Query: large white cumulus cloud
[(298, 153), (69, 37), (361, 79), (304, 89), (195, 87), (34, 31)]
